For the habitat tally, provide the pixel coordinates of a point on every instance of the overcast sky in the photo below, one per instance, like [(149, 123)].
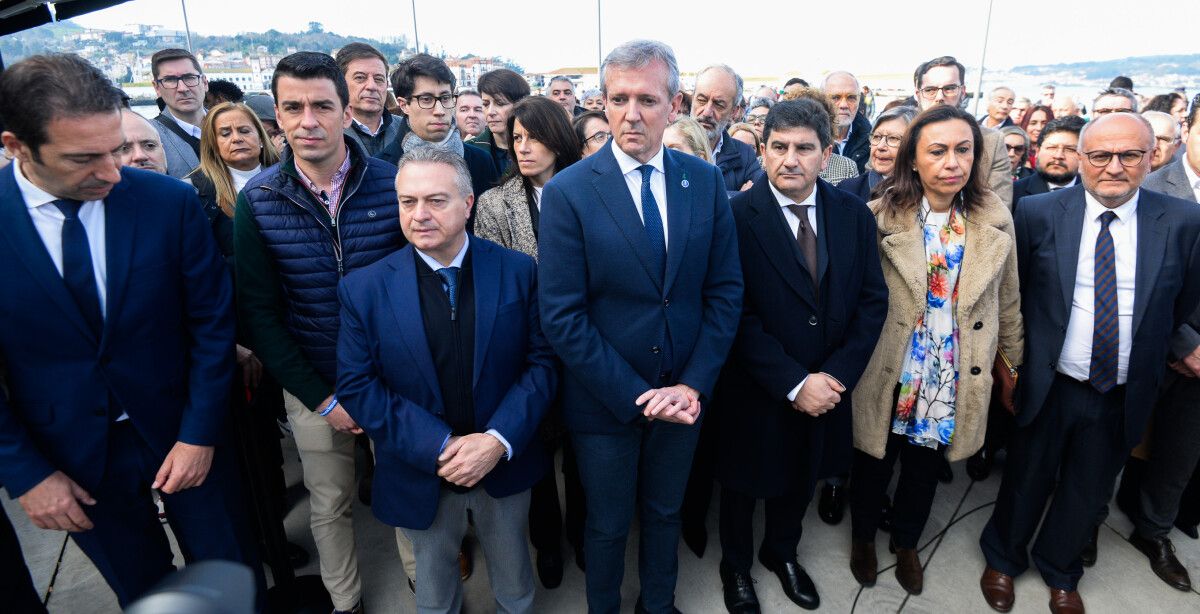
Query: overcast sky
[(765, 37)]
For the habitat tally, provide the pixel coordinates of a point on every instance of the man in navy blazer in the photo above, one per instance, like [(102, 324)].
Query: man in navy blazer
[(640, 295), (1108, 273), (118, 337), (442, 361)]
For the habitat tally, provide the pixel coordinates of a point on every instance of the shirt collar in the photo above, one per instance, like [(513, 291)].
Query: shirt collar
[(628, 164), (338, 176), (1124, 213), (383, 121), (193, 130), (784, 200), (34, 196), (1193, 179), (457, 262)]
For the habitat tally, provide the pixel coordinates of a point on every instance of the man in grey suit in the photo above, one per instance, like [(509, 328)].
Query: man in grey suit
[(1175, 439), (181, 85)]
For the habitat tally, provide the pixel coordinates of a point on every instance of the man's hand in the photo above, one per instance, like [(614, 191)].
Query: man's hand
[(746, 186), (468, 458), (54, 504), (679, 403), (185, 467), (1181, 368), (338, 418), (251, 367), (1192, 362), (819, 394)]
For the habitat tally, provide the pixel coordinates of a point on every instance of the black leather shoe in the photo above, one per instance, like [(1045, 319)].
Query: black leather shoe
[(639, 608), (1188, 529), (1163, 563), (696, 538), (297, 556), (550, 567), (832, 504), (738, 587), (945, 473), (979, 466), (1088, 556), (796, 583)]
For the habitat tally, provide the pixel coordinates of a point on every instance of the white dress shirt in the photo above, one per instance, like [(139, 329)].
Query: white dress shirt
[(1076, 358), (1193, 179), (188, 128), (794, 225), (1055, 186), (457, 262), (658, 184), (537, 196)]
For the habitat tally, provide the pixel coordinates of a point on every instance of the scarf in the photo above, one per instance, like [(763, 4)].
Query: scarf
[(452, 143)]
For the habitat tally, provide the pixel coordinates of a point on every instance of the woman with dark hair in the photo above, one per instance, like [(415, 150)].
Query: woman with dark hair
[(948, 252), (540, 143), (1173, 104), (1033, 123), (591, 129), (500, 89)]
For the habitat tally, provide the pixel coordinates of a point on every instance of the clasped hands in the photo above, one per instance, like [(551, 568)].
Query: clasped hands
[(820, 393), (1188, 366), (467, 458), (679, 403)]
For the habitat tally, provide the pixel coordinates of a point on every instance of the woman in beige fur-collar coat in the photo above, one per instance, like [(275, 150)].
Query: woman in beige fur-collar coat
[(948, 252)]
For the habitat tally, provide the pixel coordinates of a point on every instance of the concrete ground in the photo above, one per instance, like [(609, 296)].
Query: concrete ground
[(1120, 583)]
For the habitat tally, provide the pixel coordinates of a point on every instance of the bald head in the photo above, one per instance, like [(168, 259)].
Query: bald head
[(1166, 138), (1109, 144), (143, 147), (844, 92), (1064, 106)]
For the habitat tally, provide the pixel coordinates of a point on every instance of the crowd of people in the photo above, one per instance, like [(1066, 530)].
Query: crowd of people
[(670, 289)]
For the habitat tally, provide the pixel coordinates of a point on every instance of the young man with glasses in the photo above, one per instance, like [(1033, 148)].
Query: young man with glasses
[(181, 85)]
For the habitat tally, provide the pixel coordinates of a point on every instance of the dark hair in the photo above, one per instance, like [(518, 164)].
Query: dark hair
[(1164, 102), (1122, 81), (43, 88), (404, 78), (1029, 115), (579, 125), (544, 121), (504, 83), (1070, 123), (306, 65), (227, 91), (1194, 113), (902, 191), (799, 113), (945, 60), (166, 55), (358, 51), (795, 81)]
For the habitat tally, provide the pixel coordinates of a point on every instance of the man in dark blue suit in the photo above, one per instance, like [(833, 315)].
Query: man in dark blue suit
[(715, 103), (814, 305), (442, 361), (1108, 273), (118, 337), (640, 295)]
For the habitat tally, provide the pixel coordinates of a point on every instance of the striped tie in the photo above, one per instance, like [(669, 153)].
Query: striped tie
[(1106, 338)]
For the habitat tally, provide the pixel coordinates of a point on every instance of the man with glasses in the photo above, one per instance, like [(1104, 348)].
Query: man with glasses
[(940, 81), (1166, 138), (1108, 273), (1000, 104), (424, 88), (181, 85), (853, 127), (1057, 162), (1114, 100)]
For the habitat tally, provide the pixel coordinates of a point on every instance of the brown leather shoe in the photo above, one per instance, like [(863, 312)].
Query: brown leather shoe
[(997, 589), (464, 564), (863, 563), (1163, 563), (909, 573), (1065, 602)]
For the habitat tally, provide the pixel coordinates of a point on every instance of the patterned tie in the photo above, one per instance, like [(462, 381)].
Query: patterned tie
[(78, 272), (1106, 338), (449, 277), (653, 222), (807, 240)]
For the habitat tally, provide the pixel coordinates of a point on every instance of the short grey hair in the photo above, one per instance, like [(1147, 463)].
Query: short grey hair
[(841, 73), (737, 80), (639, 54), (592, 93), (1009, 130), (435, 155), (904, 113), (1118, 91), (561, 78), (1162, 117), (759, 101)]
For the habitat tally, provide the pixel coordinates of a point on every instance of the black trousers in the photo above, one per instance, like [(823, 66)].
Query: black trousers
[(546, 519), (16, 587), (784, 527), (1072, 450), (1174, 454), (869, 480)]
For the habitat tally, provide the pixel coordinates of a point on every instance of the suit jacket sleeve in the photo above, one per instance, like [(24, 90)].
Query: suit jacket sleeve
[(1000, 178), (208, 304), (563, 300), (393, 422), (22, 465), (849, 360), (1188, 300), (722, 298)]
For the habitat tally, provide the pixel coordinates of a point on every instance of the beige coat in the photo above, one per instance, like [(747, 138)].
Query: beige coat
[(988, 312), (502, 216)]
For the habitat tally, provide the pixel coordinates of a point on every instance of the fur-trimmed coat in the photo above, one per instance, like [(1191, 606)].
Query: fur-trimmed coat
[(502, 216), (988, 314)]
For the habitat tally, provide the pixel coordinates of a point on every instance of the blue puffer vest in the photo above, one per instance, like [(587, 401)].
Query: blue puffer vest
[(311, 252)]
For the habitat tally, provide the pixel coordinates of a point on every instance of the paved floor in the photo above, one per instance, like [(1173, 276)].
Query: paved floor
[(1121, 582)]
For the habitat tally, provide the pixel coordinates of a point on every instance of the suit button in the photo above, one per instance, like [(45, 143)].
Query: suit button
[(100, 411), (978, 325), (812, 320), (655, 349), (666, 302), (975, 371)]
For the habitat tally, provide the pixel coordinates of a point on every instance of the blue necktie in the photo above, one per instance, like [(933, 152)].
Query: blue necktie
[(1106, 338), (449, 277), (653, 222), (78, 272)]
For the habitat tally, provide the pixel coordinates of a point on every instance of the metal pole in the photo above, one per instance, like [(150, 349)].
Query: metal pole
[(186, 27), (416, 35), (983, 60), (599, 44)]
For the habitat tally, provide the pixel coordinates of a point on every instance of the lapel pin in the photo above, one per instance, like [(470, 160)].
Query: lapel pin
[(684, 183)]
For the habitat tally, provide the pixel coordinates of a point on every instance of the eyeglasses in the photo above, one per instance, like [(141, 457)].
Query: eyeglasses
[(756, 120), (931, 92), (1101, 159), (1015, 148), (891, 139), (425, 101), (1166, 139), (172, 82), (598, 139)]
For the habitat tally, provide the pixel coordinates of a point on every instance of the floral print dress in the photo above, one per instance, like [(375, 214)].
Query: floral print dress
[(929, 378)]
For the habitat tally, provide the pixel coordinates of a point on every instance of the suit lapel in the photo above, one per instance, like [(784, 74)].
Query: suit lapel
[(1068, 229), (486, 278), (1151, 244), (614, 194), (120, 222), (679, 215), (18, 229), (403, 295), (771, 231)]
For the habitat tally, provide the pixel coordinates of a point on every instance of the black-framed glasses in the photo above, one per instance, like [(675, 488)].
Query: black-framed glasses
[(891, 139), (598, 138), (425, 101), (1101, 159), (931, 92), (172, 82)]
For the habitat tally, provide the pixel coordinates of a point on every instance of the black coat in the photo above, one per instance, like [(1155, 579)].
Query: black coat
[(861, 185), (858, 147), (766, 448), (1030, 185), (738, 163)]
